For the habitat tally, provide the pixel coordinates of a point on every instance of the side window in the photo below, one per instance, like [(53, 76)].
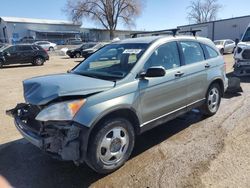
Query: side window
[(166, 55), (10, 49), (211, 52), (192, 51), (24, 48)]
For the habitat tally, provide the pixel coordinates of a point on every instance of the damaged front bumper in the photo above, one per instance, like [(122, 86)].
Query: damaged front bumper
[(60, 139)]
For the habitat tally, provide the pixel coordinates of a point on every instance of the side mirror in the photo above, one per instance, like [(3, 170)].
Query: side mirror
[(153, 72)]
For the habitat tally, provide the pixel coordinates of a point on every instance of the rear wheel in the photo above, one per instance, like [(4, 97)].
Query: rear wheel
[(213, 99), (222, 51), (78, 55), (38, 61), (1, 64), (51, 49), (111, 145)]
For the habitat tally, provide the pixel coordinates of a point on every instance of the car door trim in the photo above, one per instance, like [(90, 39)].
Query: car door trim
[(172, 112)]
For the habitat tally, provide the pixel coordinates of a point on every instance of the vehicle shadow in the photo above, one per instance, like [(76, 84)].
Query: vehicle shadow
[(26, 166), (243, 79), (17, 66)]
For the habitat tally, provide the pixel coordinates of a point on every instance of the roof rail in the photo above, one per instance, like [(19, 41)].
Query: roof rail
[(156, 33), (191, 31)]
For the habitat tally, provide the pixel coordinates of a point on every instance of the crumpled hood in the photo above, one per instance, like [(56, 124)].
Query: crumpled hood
[(41, 90)]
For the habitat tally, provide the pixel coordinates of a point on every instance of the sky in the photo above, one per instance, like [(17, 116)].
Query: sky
[(156, 15)]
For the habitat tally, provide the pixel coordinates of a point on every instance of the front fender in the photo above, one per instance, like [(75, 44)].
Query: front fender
[(90, 114)]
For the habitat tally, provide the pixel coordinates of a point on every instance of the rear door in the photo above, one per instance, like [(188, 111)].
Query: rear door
[(195, 70), (162, 96), (25, 53)]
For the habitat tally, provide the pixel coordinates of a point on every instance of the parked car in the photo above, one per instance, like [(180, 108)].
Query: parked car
[(77, 52), (225, 46), (74, 41), (22, 53), (242, 55), (46, 45), (88, 52), (27, 40), (93, 113)]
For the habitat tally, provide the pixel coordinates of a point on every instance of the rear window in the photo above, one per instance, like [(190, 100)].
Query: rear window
[(192, 52)]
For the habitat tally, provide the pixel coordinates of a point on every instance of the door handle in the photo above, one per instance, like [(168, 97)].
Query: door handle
[(179, 74), (207, 66)]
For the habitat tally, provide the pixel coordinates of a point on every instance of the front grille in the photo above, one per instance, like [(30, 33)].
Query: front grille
[(246, 54)]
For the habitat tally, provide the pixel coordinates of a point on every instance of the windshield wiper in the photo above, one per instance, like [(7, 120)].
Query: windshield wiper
[(85, 74)]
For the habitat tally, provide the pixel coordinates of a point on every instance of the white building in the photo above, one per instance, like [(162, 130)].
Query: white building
[(232, 28), (14, 29)]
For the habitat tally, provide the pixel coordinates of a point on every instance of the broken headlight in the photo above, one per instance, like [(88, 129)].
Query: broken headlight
[(63, 111)]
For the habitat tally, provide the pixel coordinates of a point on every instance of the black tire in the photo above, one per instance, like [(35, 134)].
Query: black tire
[(208, 108), (1, 64), (222, 51), (51, 49), (78, 55), (233, 50), (97, 152), (38, 61)]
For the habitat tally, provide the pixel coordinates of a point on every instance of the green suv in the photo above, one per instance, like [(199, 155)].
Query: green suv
[(94, 112)]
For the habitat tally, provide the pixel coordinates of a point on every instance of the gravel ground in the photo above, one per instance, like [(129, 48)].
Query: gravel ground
[(189, 151)]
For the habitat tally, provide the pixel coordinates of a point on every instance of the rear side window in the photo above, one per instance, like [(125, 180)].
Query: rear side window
[(211, 52), (192, 52), (24, 48)]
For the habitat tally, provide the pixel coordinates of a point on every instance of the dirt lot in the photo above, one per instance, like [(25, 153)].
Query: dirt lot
[(189, 151)]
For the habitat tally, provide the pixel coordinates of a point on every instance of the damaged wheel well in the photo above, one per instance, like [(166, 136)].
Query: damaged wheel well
[(122, 113)]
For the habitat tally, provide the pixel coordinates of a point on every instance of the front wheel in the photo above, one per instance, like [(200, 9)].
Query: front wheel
[(213, 99), (111, 145), (38, 61)]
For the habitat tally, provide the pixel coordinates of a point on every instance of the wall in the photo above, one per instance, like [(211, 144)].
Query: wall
[(224, 29), (231, 29)]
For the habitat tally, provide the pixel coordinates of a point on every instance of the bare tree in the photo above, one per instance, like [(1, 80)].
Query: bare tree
[(106, 12), (201, 11)]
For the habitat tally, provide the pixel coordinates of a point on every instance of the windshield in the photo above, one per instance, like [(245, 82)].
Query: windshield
[(246, 37), (112, 62), (4, 47), (219, 42)]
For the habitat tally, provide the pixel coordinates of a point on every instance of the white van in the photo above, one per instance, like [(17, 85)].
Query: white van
[(242, 55)]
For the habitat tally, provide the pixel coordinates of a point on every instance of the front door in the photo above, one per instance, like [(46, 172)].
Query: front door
[(163, 96), (11, 55)]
